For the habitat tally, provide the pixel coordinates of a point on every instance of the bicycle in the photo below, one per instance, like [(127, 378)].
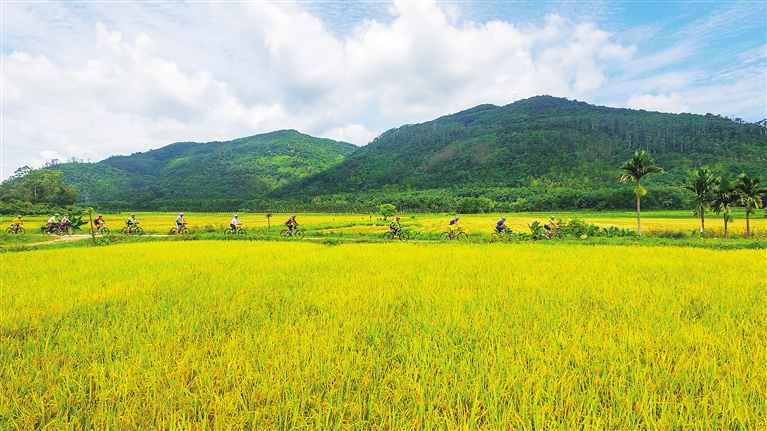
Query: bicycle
[(556, 234), (458, 233), (101, 230), (399, 233), (132, 230), (183, 230), (63, 230), (19, 231), (236, 231), (292, 233), (504, 235)]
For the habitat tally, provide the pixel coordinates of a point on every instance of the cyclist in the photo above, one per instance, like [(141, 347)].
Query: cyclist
[(64, 221), (16, 223), (131, 222), (550, 227), (99, 222), (52, 223), (395, 226), (234, 223), (291, 224), (180, 222), (453, 226), (500, 226)]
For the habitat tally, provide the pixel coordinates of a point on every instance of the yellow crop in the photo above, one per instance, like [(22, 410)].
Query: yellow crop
[(295, 335)]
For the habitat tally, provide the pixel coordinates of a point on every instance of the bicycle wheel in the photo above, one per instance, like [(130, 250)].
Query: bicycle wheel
[(138, 231), (462, 236), (228, 231), (284, 232), (388, 235), (299, 234), (104, 231), (241, 231), (60, 231), (9, 230), (185, 230), (21, 231), (446, 236), (404, 236), (560, 236), (92, 231)]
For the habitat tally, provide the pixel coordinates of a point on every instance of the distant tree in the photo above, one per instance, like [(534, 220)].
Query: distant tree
[(387, 210), (749, 194), (634, 169), (723, 198), (701, 182)]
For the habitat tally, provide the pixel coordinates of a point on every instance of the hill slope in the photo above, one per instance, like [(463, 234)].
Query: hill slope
[(541, 140), (240, 169)]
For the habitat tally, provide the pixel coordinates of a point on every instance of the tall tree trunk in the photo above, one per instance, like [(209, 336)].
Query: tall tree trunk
[(748, 222), (639, 211), (702, 221), (726, 219)]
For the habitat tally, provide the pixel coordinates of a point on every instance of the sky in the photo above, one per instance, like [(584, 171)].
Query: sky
[(91, 79)]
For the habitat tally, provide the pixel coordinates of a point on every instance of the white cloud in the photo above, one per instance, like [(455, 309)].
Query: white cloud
[(119, 78), (353, 133), (662, 103)]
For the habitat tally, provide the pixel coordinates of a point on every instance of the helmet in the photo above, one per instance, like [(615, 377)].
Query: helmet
[(503, 218), (456, 217), (292, 215), (133, 215), (56, 215), (66, 215), (180, 213), (18, 215), (235, 216), (397, 217), (99, 215)]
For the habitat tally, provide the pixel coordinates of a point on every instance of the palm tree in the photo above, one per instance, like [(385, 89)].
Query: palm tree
[(749, 194), (701, 182), (633, 169), (723, 198)]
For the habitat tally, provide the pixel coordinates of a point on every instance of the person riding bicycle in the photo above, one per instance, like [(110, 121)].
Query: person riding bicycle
[(550, 227), (234, 223), (180, 222), (453, 225), (395, 226), (291, 224), (16, 223), (500, 226), (99, 222), (64, 221), (131, 222), (52, 223)]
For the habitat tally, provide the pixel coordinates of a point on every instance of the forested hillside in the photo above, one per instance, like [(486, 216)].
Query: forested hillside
[(540, 141), (235, 170), (538, 154)]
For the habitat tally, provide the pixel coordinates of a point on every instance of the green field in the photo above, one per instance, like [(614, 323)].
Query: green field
[(299, 335)]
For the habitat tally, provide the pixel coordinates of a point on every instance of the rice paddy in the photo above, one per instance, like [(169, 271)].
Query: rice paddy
[(298, 335)]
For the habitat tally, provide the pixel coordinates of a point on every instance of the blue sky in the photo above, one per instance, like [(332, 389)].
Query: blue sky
[(94, 79)]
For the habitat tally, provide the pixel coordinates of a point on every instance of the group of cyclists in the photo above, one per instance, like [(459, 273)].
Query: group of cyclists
[(500, 227), (131, 223)]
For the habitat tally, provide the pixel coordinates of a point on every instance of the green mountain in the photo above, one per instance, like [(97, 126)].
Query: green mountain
[(235, 170), (542, 143)]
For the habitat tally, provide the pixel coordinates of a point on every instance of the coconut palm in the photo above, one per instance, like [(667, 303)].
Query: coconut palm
[(723, 198), (701, 182), (749, 194), (634, 169)]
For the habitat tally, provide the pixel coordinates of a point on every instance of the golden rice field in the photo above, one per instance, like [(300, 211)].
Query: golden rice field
[(210, 335)]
